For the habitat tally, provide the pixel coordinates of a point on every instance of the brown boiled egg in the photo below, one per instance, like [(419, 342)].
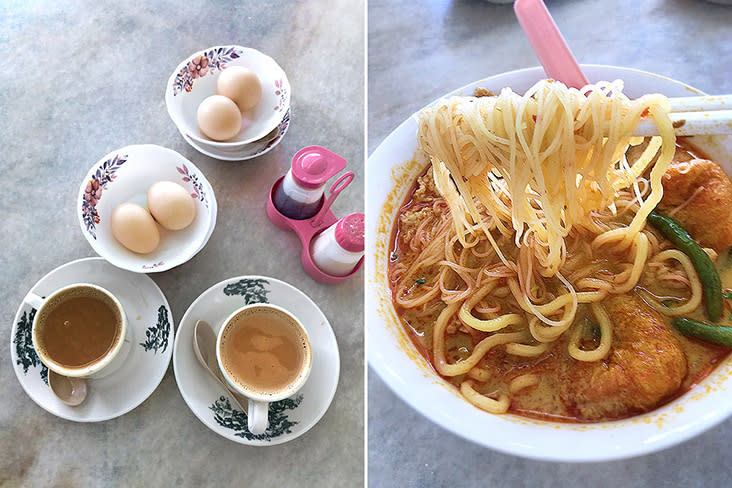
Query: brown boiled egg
[(219, 118), (134, 228), (241, 85), (171, 205)]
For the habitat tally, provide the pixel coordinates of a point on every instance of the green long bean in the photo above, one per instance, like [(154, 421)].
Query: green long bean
[(711, 283), (707, 332)]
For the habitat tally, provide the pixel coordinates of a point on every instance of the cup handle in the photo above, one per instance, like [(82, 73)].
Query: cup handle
[(34, 300), (258, 413)]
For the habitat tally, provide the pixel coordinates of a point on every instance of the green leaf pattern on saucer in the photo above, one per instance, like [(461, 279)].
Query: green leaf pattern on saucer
[(236, 420), (253, 290), (157, 335), (23, 341)]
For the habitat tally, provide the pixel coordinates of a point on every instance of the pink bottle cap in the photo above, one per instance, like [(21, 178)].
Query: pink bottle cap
[(312, 166), (349, 232)]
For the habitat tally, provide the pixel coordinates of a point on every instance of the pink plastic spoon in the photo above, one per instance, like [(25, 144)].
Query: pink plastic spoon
[(549, 45)]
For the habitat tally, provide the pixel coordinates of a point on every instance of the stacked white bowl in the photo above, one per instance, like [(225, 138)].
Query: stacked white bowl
[(195, 79)]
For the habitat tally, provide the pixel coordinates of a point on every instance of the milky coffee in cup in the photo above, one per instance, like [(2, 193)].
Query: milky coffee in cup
[(264, 351), (78, 328)]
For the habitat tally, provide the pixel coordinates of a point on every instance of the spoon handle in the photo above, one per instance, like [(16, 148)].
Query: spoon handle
[(242, 402), (549, 45), (238, 398)]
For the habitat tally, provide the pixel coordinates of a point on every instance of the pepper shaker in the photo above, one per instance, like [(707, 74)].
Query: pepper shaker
[(338, 249)]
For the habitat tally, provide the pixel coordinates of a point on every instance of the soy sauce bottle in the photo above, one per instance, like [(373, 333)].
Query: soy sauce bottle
[(300, 194)]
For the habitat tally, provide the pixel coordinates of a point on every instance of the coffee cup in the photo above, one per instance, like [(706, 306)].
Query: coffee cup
[(79, 330), (264, 354)]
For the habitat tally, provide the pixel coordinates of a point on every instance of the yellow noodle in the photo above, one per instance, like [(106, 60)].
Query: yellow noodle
[(695, 283), (483, 402), (523, 381), (544, 333), (606, 337), (480, 350), (568, 302), (526, 350), (490, 325), (640, 249), (480, 374)]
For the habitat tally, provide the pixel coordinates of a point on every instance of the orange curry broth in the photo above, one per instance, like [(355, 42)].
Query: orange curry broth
[(702, 357)]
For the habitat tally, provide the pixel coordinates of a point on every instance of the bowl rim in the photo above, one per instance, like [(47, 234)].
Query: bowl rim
[(237, 144), (397, 383), (237, 156), (170, 264)]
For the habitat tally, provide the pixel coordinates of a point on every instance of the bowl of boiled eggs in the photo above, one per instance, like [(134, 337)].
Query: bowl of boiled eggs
[(146, 208), (229, 102)]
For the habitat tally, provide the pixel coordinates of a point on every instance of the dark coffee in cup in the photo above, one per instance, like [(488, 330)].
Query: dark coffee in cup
[(77, 327)]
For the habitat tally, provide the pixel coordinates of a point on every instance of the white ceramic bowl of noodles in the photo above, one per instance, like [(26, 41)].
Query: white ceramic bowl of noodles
[(396, 360)]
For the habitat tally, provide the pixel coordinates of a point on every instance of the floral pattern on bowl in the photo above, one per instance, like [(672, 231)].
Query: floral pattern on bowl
[(280, 132), (190, 177), (93, 192), (207, 63), (280, 91)]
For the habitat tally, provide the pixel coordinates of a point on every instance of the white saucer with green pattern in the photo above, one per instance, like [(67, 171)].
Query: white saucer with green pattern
[(289, 418), (148, 349)]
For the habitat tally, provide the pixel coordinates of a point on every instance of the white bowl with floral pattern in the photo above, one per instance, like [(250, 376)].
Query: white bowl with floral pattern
[(125, 175), (195, 79)]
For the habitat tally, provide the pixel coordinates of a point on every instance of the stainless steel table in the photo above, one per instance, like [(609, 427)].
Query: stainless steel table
[(419, 51), (84, 79)]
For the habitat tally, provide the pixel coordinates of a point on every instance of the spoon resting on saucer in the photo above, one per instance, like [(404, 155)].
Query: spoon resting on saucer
[(204, 345), (71, 391)]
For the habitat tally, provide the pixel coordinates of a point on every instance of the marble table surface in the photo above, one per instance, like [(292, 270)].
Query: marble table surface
[(416, 54), (85, 78)]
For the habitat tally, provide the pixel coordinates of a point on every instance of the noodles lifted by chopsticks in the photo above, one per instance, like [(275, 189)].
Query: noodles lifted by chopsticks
[(537, 165)]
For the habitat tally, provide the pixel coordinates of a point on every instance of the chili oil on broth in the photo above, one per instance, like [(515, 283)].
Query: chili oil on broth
[(545, 373)]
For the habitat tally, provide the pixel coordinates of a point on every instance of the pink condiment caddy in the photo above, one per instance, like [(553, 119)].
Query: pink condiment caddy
[(311, 167)]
